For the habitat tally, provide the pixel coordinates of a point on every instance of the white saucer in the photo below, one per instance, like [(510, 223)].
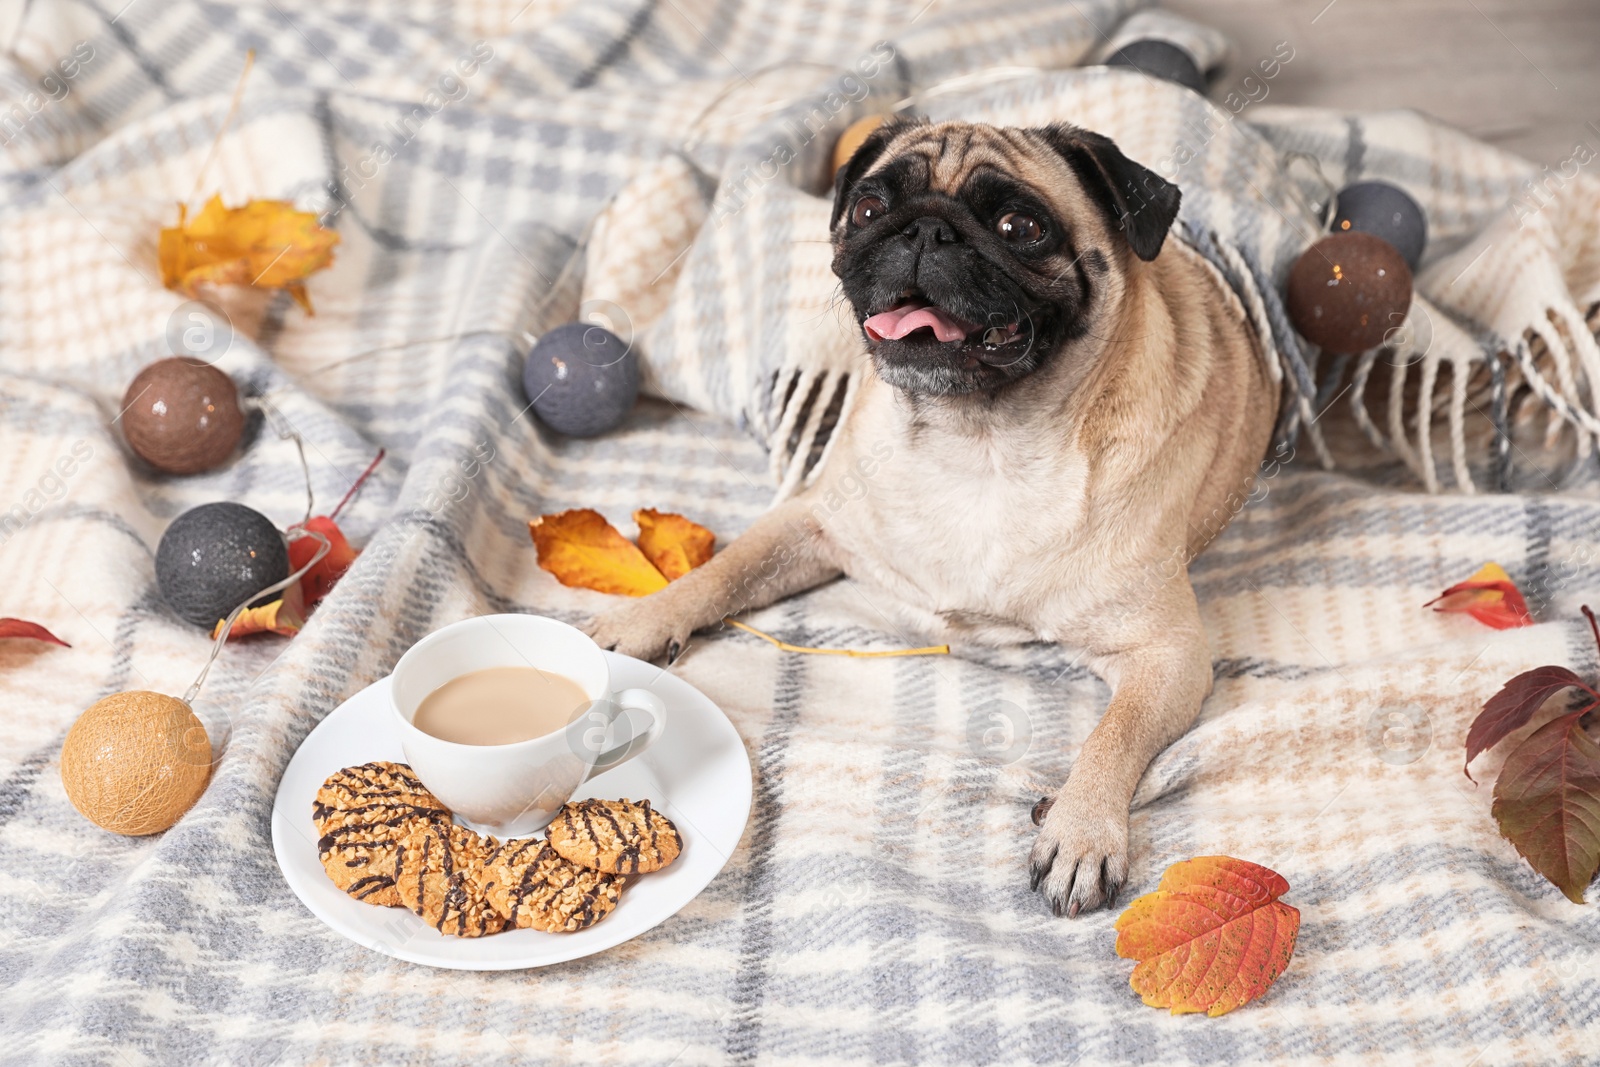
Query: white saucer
[(698, 774)]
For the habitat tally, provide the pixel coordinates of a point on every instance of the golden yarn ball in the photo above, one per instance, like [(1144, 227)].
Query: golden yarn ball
[(852, 138), (134, 762)]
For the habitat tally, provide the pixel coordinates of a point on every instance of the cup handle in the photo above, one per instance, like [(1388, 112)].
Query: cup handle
[(633, 700)]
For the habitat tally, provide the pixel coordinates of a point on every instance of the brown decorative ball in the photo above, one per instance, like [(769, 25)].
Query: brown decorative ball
[(1347, 291), (182, 416), (853, 137), (134, 762)]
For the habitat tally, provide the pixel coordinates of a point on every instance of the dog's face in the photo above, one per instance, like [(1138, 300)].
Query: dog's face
[(972, 254)]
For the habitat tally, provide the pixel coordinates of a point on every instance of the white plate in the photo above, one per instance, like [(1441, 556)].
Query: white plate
[(697, 773)]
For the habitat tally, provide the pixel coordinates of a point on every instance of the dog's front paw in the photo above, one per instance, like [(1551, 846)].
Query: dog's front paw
[(1080, 858), (644, 628)]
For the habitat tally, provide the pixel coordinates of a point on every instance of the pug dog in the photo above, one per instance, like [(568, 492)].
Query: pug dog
[(1065, 408)]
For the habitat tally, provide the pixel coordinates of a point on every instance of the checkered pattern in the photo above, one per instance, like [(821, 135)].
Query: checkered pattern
[(876, 910)]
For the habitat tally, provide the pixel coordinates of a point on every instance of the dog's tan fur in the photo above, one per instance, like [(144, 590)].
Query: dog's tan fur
[(1065, 509)]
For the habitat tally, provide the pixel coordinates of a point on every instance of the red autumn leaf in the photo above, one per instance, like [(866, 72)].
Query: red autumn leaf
[(1547, 802), (1547, 797), (31, 630), (318, 582), (1490, 596), (1510, 709), (1212, 937)]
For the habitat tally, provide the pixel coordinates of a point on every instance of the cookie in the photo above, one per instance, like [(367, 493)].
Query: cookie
[(374, 785), (363, 816), (441, 878), (360, 852), (530, 885), (615, 836)]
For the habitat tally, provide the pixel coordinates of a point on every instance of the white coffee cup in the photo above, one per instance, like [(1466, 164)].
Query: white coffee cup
[(513, 790)]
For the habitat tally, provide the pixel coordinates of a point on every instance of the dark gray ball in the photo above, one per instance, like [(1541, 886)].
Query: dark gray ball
[(1386, 211), (582, 380), (1160, 59), (214, 556)]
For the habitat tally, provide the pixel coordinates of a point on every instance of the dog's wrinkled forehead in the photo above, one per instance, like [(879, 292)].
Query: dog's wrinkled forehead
[(944, 157)]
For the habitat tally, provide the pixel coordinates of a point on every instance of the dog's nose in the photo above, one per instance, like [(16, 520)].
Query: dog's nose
[(928, 231)]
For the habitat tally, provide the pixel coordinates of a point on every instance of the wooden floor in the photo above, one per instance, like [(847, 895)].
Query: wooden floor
[(1522, 74)]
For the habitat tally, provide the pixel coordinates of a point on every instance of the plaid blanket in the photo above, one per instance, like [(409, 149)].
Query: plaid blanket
[(474, 160)]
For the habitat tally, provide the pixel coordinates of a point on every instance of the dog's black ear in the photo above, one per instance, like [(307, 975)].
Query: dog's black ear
[(864, 157), (1133, 197)]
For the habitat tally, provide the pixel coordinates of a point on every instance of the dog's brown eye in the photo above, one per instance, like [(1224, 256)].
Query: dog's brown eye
[(1020, 229), (867, 209)]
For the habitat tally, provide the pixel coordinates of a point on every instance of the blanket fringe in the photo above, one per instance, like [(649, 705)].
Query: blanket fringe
[(1555, 361), (815, 403)]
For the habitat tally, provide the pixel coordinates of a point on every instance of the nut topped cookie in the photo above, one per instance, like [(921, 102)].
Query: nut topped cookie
[(360, 851), (377, 786), (615, 836), (385, 839), (531, 886), (441, 878), (363, 815)]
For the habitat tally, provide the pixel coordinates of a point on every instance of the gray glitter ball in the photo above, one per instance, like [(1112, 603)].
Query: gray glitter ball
[(582, 380), (1386, 211), (214, 556)]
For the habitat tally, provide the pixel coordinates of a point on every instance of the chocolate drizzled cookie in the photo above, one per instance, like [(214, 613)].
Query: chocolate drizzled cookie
[(532, 886), (380, 784), (615, 836), (363, 816), (385, 839), (440, 876), (359, 851)]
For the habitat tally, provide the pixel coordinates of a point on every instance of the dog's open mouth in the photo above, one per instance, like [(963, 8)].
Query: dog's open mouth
[(923, 346), (909, 316)]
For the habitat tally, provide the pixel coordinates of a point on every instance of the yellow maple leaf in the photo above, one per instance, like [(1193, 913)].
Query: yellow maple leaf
[(673, 543), (582, 549), (265, 243)]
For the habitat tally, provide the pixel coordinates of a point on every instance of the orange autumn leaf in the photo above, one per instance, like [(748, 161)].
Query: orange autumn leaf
[(1490, 596), (674, 544), (265, 243), (286, 615), (1213, 936), (317, 582), (582, 549)]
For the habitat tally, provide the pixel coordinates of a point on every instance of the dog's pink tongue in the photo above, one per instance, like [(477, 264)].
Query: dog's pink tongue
[(897, 322)]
